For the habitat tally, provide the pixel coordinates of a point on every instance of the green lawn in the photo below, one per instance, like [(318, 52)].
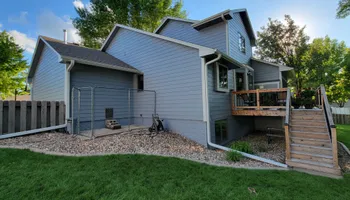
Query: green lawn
[(343, 134), (28, 175)]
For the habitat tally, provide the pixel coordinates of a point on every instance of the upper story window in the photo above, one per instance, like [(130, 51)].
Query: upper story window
[(140, 82), (221, 78), (241, 42)]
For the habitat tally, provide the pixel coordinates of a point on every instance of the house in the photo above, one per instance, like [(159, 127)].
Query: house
[(200, 72)]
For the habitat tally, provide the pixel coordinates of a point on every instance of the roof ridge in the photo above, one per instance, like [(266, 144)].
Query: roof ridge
[(50, 39)]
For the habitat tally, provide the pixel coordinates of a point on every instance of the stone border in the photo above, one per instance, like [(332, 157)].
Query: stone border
[(344, 147), (37, 150)]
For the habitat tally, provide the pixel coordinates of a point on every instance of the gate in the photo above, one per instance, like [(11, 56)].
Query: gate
[(91, 106)]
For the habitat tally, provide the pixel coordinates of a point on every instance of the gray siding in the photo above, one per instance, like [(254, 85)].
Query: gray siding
[(213, 36), (265, 72), (236, 26), (90, 76), (48, 80), (262, 123), (220, 108), (174, 71)]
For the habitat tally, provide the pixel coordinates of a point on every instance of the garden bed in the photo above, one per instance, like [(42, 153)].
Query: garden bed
[(276, 150), (166, 144)]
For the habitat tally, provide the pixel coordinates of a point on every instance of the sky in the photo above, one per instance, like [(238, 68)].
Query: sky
[(26, 19)]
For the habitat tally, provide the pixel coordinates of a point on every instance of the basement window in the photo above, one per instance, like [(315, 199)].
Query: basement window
[(221, 78), (140, 82), (241, 43), (221, 134)]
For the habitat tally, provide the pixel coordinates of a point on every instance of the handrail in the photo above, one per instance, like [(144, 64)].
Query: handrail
[(260, 91), (287, 107), (327, 107), (330, 125)]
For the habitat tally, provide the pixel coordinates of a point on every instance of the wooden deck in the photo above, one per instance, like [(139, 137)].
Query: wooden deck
[(269, 102)]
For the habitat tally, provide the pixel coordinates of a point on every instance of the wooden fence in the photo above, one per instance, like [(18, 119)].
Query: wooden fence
[(341, 115), (19, 116)]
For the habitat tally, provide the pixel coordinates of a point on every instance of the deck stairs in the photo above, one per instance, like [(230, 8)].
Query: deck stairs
[(310, 143)]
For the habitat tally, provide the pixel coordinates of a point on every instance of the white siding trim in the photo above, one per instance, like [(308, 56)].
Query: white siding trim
[(204, 100)]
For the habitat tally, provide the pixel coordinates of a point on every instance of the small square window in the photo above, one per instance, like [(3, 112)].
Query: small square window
[(241, 42), (140, 82), (221, 133), (221, 78)]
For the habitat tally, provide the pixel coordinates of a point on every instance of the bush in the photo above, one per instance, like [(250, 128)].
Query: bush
[(242, 146), (233, 156)]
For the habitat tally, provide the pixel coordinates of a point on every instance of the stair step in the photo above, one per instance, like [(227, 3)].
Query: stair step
[(312, 157), (307, 117), (307, 112), (309, 162), (309, 128), (311, 141), (329, 169), (314, 135), (309, 122), (311, 149)]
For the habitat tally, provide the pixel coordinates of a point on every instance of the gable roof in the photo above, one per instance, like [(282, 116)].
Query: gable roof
[(83, 55), (203, 51), (215, 19)]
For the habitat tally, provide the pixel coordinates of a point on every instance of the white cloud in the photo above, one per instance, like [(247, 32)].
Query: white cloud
[(78, 4), (0, 25), (21, 19), (52, 26), (23, 41)]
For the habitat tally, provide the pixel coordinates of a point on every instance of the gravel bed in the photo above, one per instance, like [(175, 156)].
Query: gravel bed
[(167, 144), (343, 159), (276, 150)]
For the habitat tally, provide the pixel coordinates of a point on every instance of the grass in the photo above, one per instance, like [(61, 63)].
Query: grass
[(28, 175), (343, 134)]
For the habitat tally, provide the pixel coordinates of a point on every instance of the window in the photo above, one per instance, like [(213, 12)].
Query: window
[(221, 78), (241, 43), (221, 134), (140, 82), (239, 81), (250, 80)]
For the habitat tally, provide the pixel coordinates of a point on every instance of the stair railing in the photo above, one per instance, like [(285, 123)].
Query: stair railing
[(330, 124), (286, 123)]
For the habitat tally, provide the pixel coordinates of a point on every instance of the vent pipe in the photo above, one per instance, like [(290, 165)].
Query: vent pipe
[(65, 36)]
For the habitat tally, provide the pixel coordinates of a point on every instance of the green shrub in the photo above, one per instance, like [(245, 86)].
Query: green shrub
[(233, 156), (242, 146)]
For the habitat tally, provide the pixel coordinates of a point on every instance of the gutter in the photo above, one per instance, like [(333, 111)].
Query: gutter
[(207, 118)]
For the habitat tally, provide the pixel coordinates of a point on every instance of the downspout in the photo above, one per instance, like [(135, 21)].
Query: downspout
[(67, 89), (210, 143)]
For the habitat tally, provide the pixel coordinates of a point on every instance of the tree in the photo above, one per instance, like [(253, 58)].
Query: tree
[(326, 61), (343, 9), (97, 21), (284, 43), (323, 60), (12, 65)]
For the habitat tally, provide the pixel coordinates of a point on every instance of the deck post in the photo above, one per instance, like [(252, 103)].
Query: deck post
[(257, 100), (286, 129), (334, 147)]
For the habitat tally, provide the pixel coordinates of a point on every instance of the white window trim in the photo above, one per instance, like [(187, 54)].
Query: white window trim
[(218, 78)]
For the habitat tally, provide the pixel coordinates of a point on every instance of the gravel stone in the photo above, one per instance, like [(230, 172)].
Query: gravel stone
[(166, 144), (343, 159)]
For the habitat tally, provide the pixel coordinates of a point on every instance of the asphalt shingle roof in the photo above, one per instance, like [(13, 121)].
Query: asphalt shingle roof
[(83, 53)]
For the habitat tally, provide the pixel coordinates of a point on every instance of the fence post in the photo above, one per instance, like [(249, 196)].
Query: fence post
[(23, 116), (34, 115), (1, 115), (11, 115), (43, 114), (52, 113)]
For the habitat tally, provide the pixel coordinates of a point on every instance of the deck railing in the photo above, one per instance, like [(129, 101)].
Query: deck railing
[(265, 99), (330, 123)]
